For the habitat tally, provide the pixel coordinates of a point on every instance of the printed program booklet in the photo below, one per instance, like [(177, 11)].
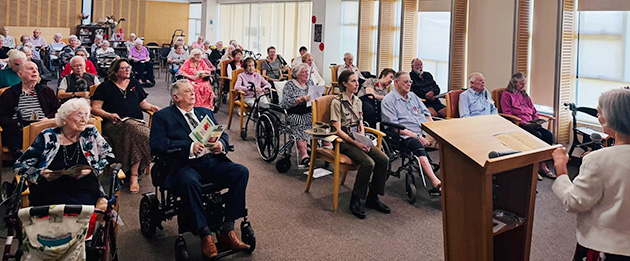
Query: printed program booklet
[(207, 133)]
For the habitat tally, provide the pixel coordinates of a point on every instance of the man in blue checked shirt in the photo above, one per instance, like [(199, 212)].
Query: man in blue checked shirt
[(405, 108), (476, 100)]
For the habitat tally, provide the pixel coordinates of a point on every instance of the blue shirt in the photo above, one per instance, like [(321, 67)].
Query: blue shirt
[(410, 112), (472, 103)]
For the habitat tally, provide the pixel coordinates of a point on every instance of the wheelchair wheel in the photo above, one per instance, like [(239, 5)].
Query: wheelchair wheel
[(148, 214), (267, 138), (243, 134), (181, 251), (6, 191), (283, 165), (248, 236), (410, 188)]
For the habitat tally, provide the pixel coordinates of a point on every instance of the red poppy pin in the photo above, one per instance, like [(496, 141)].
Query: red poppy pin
[(87, 153), (133, 88)]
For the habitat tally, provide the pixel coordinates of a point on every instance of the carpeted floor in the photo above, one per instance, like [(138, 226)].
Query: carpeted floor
[(293, 225)]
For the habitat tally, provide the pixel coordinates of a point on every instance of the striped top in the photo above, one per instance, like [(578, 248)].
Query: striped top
[(29, 104)]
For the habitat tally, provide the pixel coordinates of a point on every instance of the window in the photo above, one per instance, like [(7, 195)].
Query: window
[(434, 29), (194, 22), (256, 26), (603, 54), (349, 39)]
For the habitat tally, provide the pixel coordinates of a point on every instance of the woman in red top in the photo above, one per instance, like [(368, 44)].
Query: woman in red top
[(89, 66), (197, 71), (515, 101)]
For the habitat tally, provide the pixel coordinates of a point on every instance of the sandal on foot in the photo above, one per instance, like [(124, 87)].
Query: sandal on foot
[(435, 192)]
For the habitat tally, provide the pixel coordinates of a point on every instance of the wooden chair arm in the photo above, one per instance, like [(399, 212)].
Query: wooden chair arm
[(512, 118), (325, 138), (549, 118), (150, 116), (334, 84), (0, 129), (225, 78), (379, 135)]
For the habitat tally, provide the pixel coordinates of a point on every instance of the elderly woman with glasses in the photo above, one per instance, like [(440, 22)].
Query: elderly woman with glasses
[(198, 72), (120, 101), (89, 66), (72, 143)]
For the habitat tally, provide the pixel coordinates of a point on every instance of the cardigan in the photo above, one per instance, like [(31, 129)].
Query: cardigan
[(599, 196), (43, 150)]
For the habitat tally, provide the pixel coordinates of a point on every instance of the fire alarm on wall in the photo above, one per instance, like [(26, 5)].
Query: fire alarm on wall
[(314, 19), (321, 46)]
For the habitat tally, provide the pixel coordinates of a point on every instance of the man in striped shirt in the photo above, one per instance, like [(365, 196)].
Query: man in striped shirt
[(23, 103)]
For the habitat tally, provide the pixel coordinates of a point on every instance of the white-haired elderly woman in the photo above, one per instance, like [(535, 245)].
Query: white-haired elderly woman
[(180, 40), (198, 44), (141, 62), (294, 98), (8, 75), (55, 46), (72, 143), (4, 49), (98, 40), (599, 194), (131, 42), (67, 52), (198, 72)]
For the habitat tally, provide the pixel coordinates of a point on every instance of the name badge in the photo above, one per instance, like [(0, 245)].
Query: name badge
[(416, 111)]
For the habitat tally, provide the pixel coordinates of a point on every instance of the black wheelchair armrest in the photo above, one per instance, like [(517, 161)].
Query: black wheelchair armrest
[(42, 211), (436, 118), (393, 125)]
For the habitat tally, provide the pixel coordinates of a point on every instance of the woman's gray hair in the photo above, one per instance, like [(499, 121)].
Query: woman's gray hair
[(139, 41), (72, 37), (206, 42), (70, 107), (196, 51), (614, 107), (295, 72)]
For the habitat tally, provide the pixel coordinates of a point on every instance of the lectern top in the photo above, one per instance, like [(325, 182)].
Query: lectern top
[(475, 137)]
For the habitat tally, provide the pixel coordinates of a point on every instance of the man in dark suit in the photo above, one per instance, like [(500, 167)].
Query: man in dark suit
[(195, 165)]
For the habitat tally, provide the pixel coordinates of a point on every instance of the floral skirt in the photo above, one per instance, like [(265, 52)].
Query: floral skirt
[(130, 141), (204, 96)]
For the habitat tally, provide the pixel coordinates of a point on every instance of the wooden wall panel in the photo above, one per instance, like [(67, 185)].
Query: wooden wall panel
[(41, 13), (459, 26), (164, 18), (134, 11)]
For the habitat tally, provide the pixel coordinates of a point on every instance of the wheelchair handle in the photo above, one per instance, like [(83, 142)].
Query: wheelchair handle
[(393, 125)]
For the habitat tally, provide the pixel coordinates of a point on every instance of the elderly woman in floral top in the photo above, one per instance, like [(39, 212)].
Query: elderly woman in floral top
[(72, 143)]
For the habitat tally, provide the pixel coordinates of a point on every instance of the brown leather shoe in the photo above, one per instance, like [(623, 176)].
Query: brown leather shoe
[(232, 240), (208, 249)]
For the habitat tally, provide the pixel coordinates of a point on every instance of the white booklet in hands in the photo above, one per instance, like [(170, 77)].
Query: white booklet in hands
[(315, 92), (207, 133)]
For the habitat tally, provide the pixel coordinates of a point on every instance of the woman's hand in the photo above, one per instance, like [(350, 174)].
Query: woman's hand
[(83, 173), (362, 147), (154, 108), (304, 99), (560, 160), (48, 175), (113, 117)]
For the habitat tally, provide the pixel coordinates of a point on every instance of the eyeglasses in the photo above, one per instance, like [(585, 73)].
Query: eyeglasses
[(77, 66), (81, 116), (125, 68)]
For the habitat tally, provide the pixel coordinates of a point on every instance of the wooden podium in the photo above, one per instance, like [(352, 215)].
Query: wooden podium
[(474, 185)]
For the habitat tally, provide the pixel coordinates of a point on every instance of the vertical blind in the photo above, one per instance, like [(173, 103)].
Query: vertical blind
[(256, 26), (565, 71), (368, 35), (521, 37), (459, 27)]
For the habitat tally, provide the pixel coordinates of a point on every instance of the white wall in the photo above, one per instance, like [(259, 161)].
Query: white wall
[(328, 13), (210, 13)]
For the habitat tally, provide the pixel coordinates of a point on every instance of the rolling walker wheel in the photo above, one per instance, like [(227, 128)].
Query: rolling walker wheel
[(244, 134), (6, 191), (283, 165), (411, 190), (248, 236)]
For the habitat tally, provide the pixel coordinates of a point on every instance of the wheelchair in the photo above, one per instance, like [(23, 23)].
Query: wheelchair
[(154, 211), (255, 112), (409, 164), (269, 128), (103, 62), (585, 132), (101, 236)]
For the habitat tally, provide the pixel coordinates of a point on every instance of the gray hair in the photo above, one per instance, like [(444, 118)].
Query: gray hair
[(138, 41), (58, 34), (206, 42), (105, 42), (77, 58), (15, 55), (297, 69), (98, 36), (72, 36), (195, 51), (614, 107), (473, 77), (346, 55), (132, 34), (175, 86), (70, 107)]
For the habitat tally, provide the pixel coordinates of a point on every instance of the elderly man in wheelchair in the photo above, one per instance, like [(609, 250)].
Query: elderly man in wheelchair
[(191, 167), (64, 165), (403, 114)]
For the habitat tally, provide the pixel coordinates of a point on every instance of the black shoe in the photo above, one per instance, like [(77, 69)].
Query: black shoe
[(435, 192), (374, 203), (356, 207)]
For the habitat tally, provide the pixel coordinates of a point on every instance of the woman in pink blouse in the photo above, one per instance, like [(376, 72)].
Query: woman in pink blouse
[(142, 64), (515, 101), (198, 72)]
